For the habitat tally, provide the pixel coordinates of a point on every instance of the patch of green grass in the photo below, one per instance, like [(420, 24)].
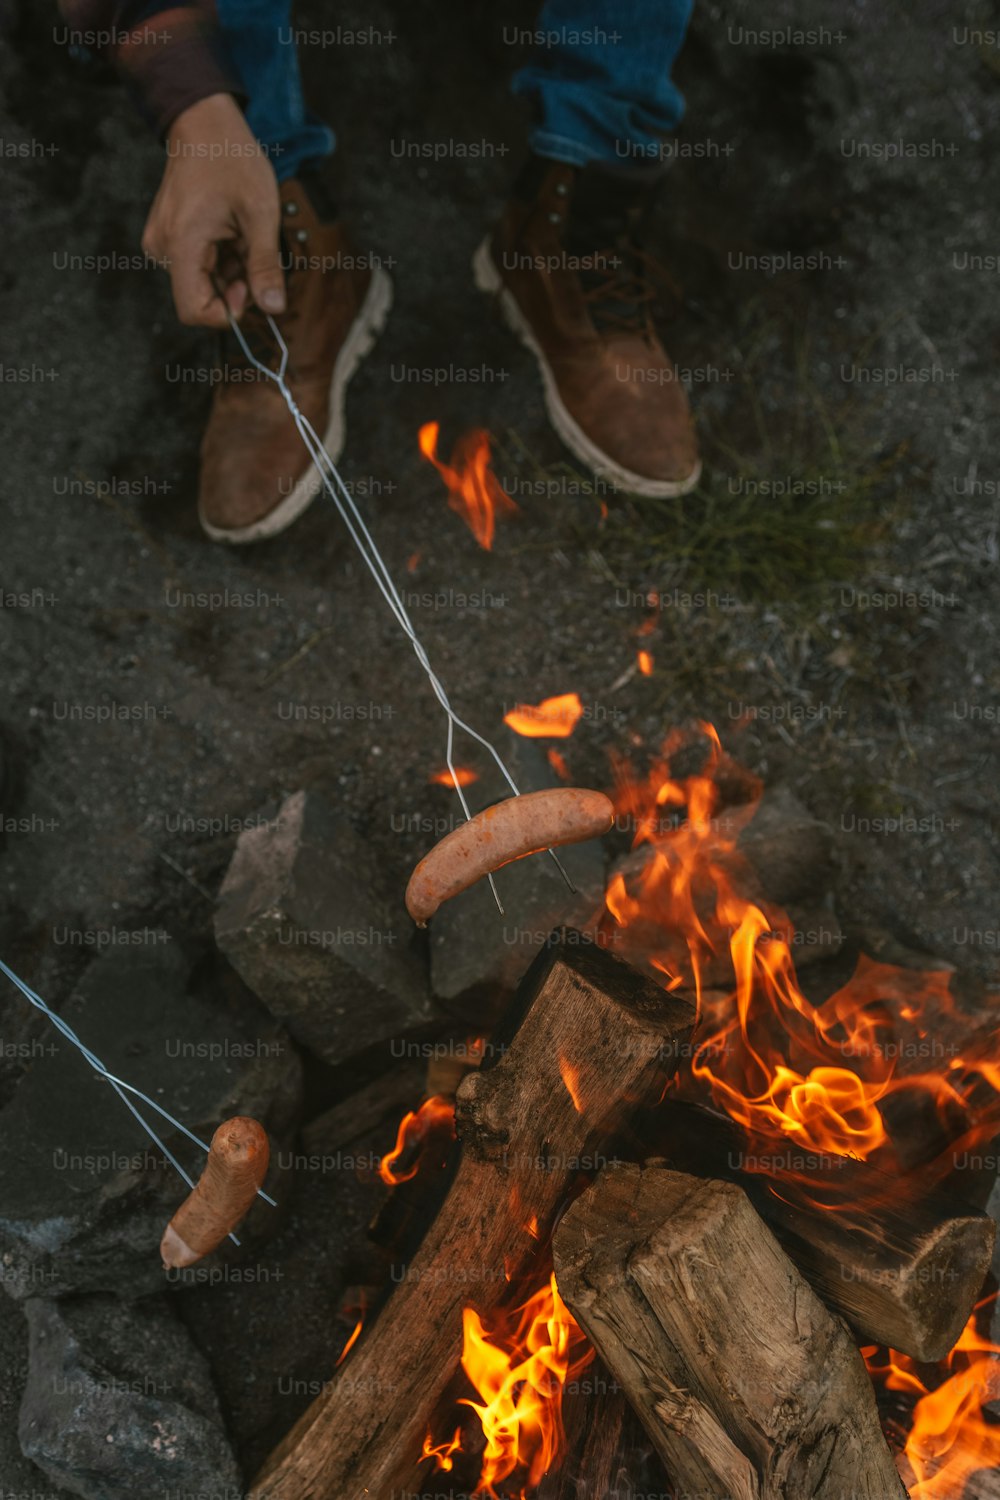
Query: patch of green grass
[(774, 534), (729, 537), (801, 495), (787, 506)]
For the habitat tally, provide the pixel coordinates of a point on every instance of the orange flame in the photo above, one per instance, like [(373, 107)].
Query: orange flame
[(443, 1453), (519, 1370), (435, 1115), (463, 776), (645, 662), (571, 1078), (473, 490), (685, 909), (553, 718), (351, 1341), (950, 1438), (685, 906)]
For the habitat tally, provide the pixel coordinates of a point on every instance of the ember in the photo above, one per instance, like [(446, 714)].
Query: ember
[(352, 1340), (571, 1078), (463, 776), (558, 763), (553, 718)]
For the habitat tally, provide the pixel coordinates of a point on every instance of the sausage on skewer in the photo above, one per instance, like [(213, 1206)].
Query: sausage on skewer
[(506, 831), (236, 1167)]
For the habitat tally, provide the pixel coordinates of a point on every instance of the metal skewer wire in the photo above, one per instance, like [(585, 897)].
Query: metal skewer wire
[(121, 1088), (365, 543), (376, 565)]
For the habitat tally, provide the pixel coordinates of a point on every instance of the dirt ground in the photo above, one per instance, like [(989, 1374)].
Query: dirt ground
[(827, 598)]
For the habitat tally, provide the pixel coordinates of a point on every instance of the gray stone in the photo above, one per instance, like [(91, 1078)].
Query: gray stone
[(888, 949), (478, 957), (304, 918), (790, 851), (119, 1403), (18, 1475), (816, 935), (86, 1193)]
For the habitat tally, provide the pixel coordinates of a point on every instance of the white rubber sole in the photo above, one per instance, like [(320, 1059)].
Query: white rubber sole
[(488, 279), (359, 342)]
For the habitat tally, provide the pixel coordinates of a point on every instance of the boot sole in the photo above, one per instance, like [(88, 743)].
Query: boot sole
[(359, 342), (488, 279)]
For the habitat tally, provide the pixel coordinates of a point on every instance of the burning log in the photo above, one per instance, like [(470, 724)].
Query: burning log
[(748, 1387), (903, 1263), (606, 1450), (966, 1468), (952, 1440), (419, 1169), (586, 1041), (984, 1484)]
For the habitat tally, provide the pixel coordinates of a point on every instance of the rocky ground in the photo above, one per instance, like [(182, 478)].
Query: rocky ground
[(827, 598)]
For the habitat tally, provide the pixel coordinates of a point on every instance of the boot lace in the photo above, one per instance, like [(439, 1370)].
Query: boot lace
[(623, 289)]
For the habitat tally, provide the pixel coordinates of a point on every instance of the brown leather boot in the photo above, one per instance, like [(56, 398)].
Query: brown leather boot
[(256, 476), (574, 285)]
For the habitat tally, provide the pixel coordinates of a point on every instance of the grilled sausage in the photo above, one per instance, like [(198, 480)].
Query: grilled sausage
[(236, 1167), (506, 831)]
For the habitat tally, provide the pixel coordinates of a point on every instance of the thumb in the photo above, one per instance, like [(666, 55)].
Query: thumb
[(263, 264)]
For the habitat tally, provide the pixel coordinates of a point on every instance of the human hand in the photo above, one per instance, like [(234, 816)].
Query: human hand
[(218, 189)]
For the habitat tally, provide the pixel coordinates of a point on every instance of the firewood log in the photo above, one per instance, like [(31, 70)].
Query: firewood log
[(902, 1261), (607, 1451), (586, 1041), (749, 1388)]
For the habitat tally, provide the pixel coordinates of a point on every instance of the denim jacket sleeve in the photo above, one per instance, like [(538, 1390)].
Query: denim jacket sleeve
[(169, 52)]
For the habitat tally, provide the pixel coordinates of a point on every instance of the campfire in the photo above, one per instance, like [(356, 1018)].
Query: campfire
[(693, 1218)]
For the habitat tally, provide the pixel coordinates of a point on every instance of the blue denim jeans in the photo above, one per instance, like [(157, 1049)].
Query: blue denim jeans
[(259, 40), (599, 83)]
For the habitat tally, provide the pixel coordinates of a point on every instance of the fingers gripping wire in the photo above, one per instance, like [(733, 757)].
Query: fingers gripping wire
[(365, 543)]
